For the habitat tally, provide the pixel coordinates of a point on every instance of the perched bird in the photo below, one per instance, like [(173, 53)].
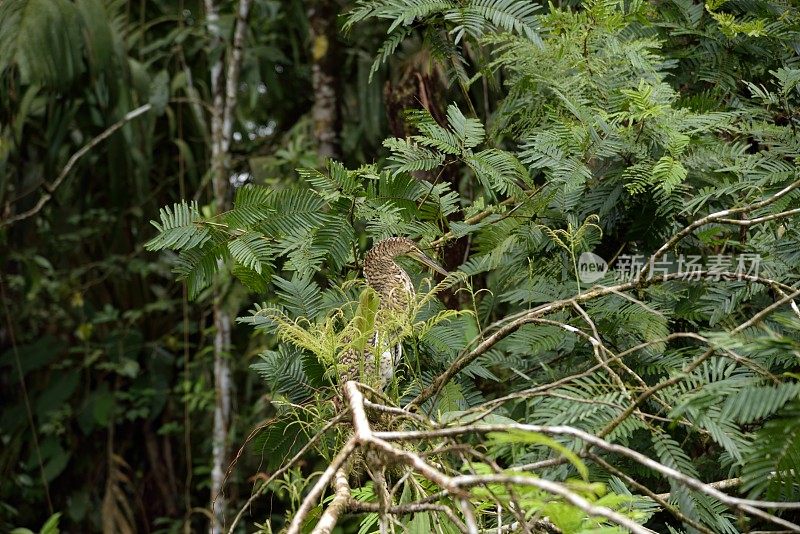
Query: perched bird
[(395, 292)]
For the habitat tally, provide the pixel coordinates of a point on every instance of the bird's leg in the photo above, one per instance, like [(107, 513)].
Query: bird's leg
[(338, 402)]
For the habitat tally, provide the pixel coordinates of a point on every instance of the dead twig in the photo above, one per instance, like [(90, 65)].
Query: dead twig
[(51, 187)]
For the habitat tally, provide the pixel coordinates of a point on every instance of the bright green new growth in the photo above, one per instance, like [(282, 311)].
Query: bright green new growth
[(343, 329)]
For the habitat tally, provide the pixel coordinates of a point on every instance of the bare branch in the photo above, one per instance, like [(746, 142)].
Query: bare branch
[(415, 462), (363, 433), (594, 441), (331, 514), (452, 485), (720, 484), (514, 322), (716, 217), (455, 486), (759, 220), (50, 188), (469, 515), (313, 496)]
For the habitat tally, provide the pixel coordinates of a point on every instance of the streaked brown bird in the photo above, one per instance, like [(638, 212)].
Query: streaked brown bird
[(396, 292)]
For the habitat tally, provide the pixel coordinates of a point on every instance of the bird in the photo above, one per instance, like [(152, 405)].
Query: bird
[(395, 293)]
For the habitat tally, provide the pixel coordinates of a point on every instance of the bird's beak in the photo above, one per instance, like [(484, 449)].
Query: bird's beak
[(425, 260)]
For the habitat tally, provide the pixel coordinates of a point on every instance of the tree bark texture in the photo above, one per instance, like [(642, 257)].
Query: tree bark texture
[(222, 412), (224, 86), (325, 67)]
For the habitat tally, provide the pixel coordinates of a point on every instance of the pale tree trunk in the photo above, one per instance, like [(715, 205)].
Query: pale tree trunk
[(222, 412), (223, 107), (325, 66)]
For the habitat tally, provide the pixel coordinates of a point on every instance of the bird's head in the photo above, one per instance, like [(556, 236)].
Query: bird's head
[(394, 247)]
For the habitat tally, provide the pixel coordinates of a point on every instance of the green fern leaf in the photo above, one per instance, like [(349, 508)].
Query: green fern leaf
[(410, 157), (197, 266), (251, 207), (470, 132), (180, 228), (498, 171), (255, 282), (294, 209), (301, 296), (253, 251), (771, 467), (757, 402), (669, 173)]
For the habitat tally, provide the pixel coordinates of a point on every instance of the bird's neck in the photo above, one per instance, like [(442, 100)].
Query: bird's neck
[(389, 281)]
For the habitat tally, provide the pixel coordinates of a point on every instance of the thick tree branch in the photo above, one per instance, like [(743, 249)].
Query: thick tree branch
[(325, 69), (310, 500), (759, 220), (720, 484), (224, 100), (339, 504), (593, 441), (455, 486), (232, 76)]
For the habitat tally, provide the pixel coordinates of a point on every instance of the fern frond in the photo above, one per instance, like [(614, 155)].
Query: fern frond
[(295, 209), (770, 468), (410, 157), (470, 132), (301, 296), (388, 48), (255, 282), (498, 171), (757, 402), (283, 372), (197, 266), (669, 173), (250, 207), (253, 251), (180, 228)]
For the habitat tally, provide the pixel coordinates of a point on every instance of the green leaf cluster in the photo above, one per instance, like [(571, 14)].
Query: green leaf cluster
[(615, 126)]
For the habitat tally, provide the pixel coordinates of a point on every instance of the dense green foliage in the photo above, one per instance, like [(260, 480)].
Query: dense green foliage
[(596, 144), (117, 368), (553, 131)]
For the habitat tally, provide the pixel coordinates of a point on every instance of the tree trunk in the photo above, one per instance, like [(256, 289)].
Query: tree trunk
[(222, 411), (223, 107), (324, 68)]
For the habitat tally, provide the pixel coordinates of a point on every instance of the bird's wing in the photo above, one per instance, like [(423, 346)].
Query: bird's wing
[(355, 367)]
